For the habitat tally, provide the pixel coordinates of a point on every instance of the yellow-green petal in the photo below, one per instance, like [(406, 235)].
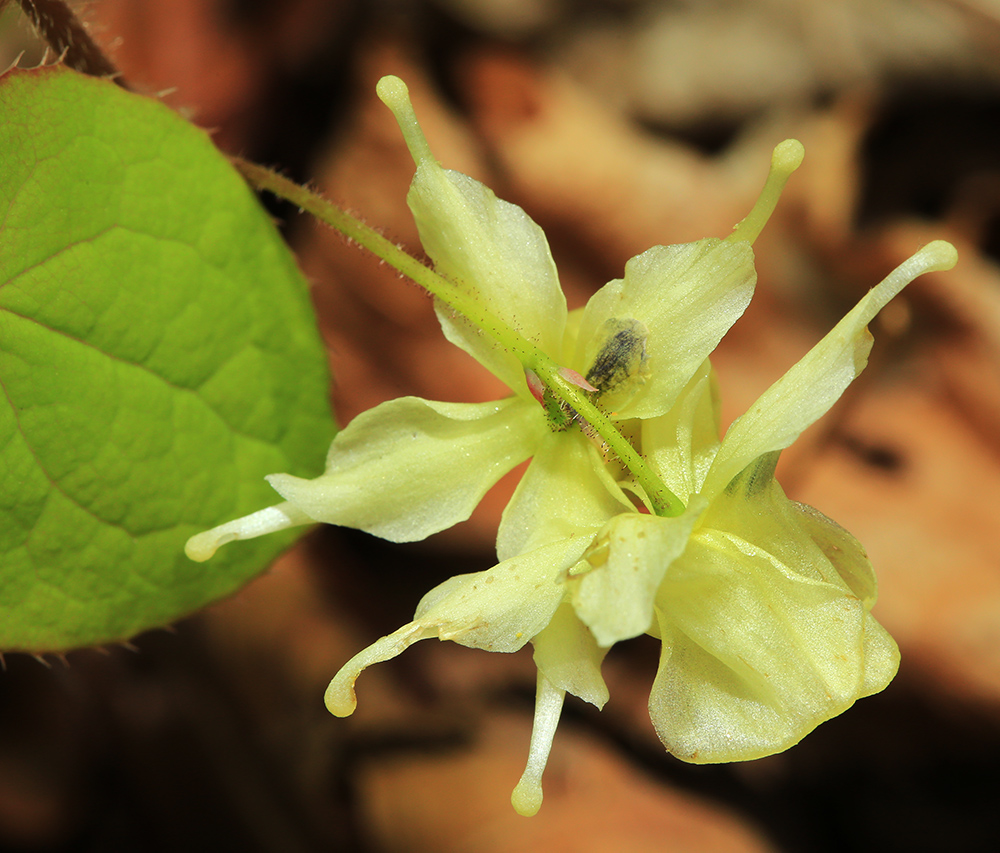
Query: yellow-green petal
[(807, 391), (411, 467), (491, 249), (565, 492), (753, 658), (686, 296), (614, 589), (567, 653), (681, 444), (764, 635), (501, 609)]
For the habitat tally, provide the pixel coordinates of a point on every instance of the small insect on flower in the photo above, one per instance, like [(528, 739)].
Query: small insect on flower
[(762, 605)]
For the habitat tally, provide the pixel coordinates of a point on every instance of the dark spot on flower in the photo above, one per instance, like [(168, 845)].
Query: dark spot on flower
[(620, 357)]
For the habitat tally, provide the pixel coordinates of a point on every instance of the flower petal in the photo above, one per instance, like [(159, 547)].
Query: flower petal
[(567, 653), (681, 444), (624, 568), (489, 248), (565, 492), (807, 391), (686, 296), (411, 467), (762, 638), (752, 660), (501, 609), (494, 251), (843, 551)]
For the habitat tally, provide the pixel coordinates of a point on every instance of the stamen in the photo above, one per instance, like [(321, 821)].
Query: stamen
[(396, 96), (279, 517), (527, 795), (785, 159)]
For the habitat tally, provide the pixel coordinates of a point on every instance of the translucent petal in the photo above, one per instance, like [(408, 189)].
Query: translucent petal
[(625, 566), (686, 296), (843, 551), (753, 659), (489, 248), (494, 251), (565, 492), (567, 653), (763, 638), (411, 467), (807, 391)]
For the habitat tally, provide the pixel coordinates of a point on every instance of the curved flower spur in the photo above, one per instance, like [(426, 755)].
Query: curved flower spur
[(632, 517)]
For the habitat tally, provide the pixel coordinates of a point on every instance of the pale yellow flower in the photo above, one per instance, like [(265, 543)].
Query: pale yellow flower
[(632, 517)]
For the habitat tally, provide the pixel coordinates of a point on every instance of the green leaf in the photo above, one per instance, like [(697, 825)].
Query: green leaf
[(158, 357)]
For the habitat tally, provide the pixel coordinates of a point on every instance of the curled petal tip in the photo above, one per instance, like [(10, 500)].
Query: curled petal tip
[(340, 698), (937, 256), (202, 546)]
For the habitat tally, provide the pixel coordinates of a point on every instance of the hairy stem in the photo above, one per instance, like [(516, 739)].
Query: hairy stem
[(551, 374), (56, 22)]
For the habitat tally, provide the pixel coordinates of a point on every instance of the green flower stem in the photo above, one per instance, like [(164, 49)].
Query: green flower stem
[(664, 502)]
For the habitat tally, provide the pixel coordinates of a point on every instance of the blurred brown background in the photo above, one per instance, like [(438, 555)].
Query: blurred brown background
[(617, 124)]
